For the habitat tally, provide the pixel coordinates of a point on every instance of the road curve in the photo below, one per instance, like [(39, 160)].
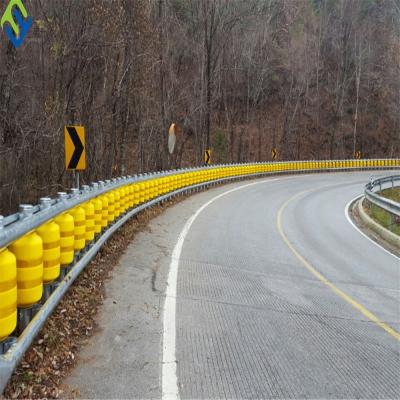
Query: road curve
[(258, 289), (278, 296)]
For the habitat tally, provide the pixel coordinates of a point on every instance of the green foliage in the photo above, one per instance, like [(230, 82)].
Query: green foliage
[(392, 194), (383, 217)]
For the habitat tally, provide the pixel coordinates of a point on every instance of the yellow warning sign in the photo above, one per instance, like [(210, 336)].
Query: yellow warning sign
[(75, 151), (207, 156)]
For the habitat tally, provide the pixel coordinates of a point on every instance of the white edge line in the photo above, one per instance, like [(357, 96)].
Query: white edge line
[(346, 212), (170, 388)]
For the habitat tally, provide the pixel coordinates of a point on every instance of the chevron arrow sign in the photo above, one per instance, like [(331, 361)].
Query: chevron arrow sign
[(75, 151)]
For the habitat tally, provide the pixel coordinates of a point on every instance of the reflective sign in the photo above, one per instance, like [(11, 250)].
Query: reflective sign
[(75, 152)]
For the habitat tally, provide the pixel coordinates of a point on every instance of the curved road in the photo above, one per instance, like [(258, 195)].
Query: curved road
[(277, 296)]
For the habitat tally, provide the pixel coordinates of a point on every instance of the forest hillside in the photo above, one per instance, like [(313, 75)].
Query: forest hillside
[(315, 79)]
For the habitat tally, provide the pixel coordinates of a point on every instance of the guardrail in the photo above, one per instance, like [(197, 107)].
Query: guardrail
[(44, 248), (388, 205)]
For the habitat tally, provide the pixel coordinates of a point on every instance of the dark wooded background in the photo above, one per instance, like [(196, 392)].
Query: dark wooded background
[(313, 78)]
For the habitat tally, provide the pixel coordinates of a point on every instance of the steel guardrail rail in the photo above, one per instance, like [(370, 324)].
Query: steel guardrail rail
[(16, 225), (182, 181), (386, 204)]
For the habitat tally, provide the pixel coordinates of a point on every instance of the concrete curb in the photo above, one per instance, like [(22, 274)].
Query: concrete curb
[(384, 233)]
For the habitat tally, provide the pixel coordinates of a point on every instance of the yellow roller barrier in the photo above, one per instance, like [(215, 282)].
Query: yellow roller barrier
[(8, 293), (111, 207), (51, 237), (66, 224), (29, 254), (117, 203), (131, 196), (89, 221), (136, 195), (78, 213), (142, 192), (98, 209), (104, 211), (122, 199)]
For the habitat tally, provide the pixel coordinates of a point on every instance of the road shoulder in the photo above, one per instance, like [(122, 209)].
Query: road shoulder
[(123, 359)]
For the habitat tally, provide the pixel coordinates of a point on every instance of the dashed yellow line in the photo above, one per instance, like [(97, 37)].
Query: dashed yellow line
[(372, 317)]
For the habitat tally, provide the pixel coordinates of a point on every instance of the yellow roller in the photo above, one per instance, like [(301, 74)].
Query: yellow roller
[(136, 194), (29, 254), (117, 203), (142, 192), (104, 211), (131, 196), (98, 209), (89, 221), (123, 199), (78, 213), (66, 224), (51, 236), (8, 293), (111, 206)]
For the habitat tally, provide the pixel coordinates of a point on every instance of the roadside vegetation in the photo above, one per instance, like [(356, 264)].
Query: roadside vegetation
[(315, 79), (393, 194), (384, 218)]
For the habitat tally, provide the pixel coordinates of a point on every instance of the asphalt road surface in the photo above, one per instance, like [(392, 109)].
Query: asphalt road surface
[(270, 293)]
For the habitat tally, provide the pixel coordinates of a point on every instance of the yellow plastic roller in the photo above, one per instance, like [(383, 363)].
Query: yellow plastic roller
[(142, 192), (104, 211), (117, 203), (8, 293), (123, 199), (89, 220), (111, 206), (78, 213), (131, 196), (66, 224), (98, 208), (50, 234), (136, 194), (29, 254)]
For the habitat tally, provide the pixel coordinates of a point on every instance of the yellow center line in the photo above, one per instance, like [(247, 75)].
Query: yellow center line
[(372, 317)]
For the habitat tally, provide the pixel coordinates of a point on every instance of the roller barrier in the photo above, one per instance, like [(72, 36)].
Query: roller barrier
[(44, 248)]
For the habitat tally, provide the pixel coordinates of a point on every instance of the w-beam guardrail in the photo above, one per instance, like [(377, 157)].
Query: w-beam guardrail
[(375, 198), (44, 248)]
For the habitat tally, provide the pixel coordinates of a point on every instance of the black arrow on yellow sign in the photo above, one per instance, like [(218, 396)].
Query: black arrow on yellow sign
[(75, 157), (207, 156), (274, 153)]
